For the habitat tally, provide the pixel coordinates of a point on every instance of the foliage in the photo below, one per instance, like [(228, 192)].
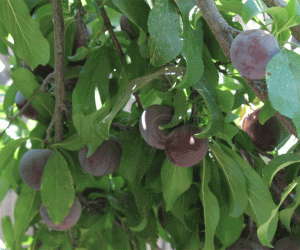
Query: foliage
[(174, 60)]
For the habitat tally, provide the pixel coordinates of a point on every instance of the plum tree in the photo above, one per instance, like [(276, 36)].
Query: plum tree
[(266, 136), (30, 111), (251, 51), (69, 221), (183, 149), (127, 27), (32, 165), (151, 119), (105, 160)]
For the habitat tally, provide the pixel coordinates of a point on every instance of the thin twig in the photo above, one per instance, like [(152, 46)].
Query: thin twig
[(59, 48), (107, 24)]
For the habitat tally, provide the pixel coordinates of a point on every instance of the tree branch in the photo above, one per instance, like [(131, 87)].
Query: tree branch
[(221, 31), (59, 48)]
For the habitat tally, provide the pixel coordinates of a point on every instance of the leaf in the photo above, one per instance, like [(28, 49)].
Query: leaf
[(211, 207), (175, 181), (286, 214), (137, 156), (29, 43), (235, 179), (43, 103), (7, 152), (9, 99), (8, 231), (252, 8), (263, 229), (73, 143), (57, 188), (283, 81), (192, 45), (164, 28), (26, 208), (208, 92), (226, 100), (267, 111), (276, 164), (181, 107), (260, 205)]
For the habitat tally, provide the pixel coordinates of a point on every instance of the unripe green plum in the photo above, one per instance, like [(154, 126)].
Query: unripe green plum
[(265, 137), (30, 111), (69, 221), (183, 149), (251, 51), (32, 165), (153, 117), (105, 160)]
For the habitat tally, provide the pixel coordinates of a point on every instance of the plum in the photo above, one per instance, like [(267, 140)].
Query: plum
[(105, 160), (266, 136), (251, 51), (32, 165), (40, 70), (69, 221), (183, 149), (126, 27), (30, 111), (151, 119)]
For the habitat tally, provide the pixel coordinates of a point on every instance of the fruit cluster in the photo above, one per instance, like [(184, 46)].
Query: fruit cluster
[(180, 145)]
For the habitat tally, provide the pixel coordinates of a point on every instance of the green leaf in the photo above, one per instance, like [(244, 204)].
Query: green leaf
[(235, 179), (26, 208), (164, 28), (9, 99), (8, 231), (43, 103), (229, 228), (7, 152), (267, 111), (283, 81), (252, 8), (192, 45), (29, 43), (175, 181), (73, 143), (208, 92), (261, 204), (181, 107), (262, 231), (286, 214), (137, 156), (226, 100), (276, 164), (57, 188), (211, 207)]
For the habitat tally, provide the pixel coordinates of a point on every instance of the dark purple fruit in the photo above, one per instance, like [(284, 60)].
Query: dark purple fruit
[(69, 221), (251, 51), (105, 160), (29, 112), (153, 117), (32, 165), (40, 70), (265, 137), (126, 27), (183, 149)]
